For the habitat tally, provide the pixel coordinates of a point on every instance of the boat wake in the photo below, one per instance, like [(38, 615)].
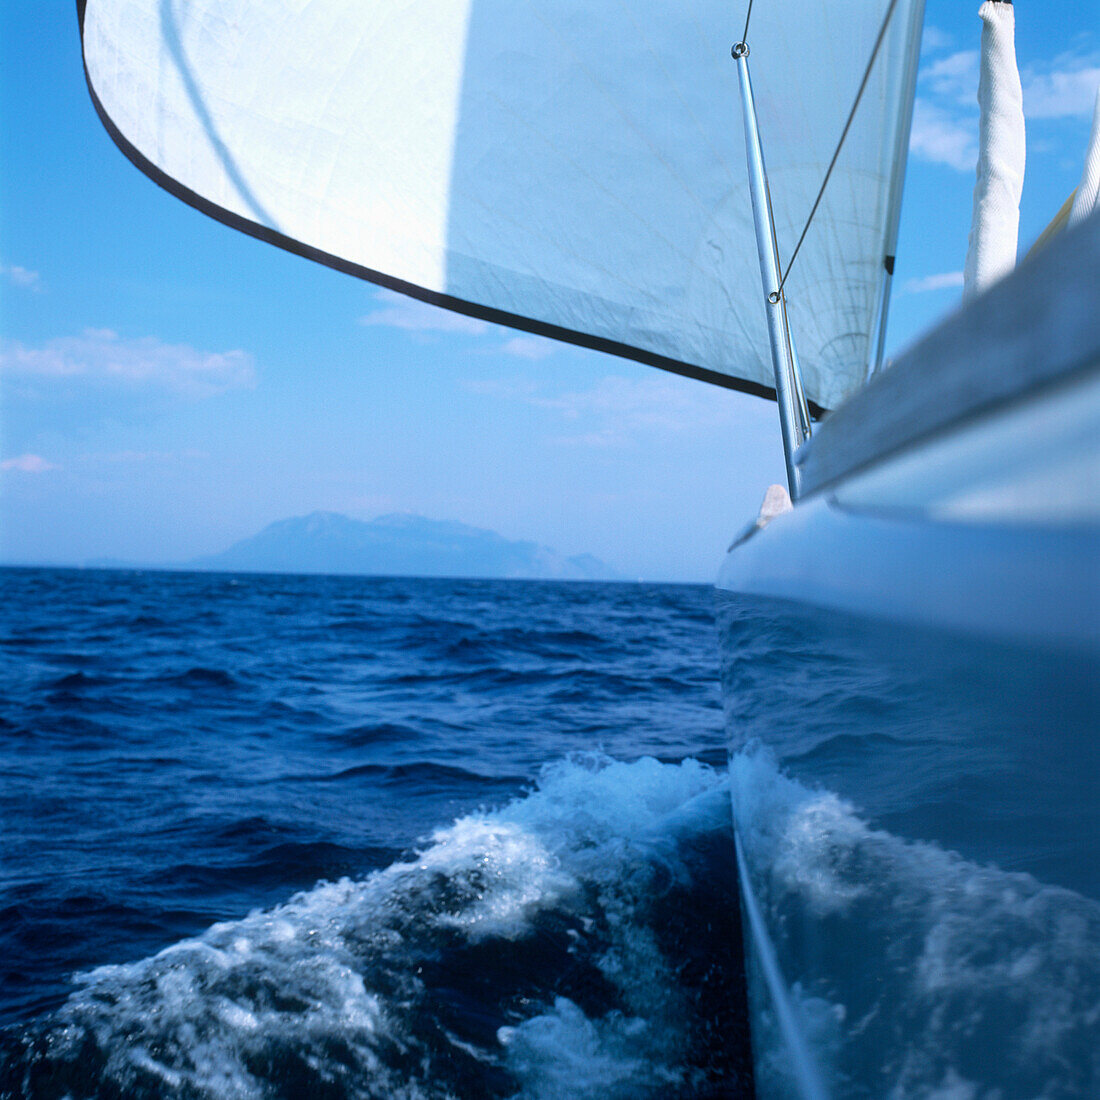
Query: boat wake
[(581, 941)]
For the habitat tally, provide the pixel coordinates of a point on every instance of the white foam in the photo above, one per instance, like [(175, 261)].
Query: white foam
[(339, 968), (563, 1053), (517, 875)]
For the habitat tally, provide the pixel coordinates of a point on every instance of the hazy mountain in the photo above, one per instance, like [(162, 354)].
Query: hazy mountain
[(402, 545)]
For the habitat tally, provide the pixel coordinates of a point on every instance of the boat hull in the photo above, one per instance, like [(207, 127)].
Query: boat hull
[(912, 696), (918, 824), (911, 677)]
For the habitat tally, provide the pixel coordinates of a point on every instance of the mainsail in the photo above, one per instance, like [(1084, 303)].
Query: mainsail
[(568, 168)]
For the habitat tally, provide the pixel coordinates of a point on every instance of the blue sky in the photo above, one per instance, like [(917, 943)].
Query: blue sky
[(170, 386)]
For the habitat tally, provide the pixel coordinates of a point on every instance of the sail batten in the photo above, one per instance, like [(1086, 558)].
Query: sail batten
[(572, 170)]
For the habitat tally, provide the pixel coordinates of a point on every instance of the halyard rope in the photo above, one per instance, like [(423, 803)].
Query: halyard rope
[(775, 295)]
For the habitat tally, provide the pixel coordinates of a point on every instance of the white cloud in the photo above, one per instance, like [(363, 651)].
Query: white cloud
[(400, 311), (942, 138), (649, 401), (616, 410), (943, 281), (529, 347), (1069, 89), (21, 276), (1063, 88), (103, 357), (945, 116), (28, 464), (954, 77), (934, 39)]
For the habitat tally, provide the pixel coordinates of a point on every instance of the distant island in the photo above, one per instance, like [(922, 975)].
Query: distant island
[(396, 545)]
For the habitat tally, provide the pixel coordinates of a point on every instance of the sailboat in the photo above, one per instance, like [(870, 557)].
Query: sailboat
[(922, 901)]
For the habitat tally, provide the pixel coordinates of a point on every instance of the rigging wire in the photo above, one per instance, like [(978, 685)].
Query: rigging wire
[(745, 35), (775, 295)]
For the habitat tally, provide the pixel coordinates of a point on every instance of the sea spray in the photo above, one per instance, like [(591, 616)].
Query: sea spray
[(580, 941)]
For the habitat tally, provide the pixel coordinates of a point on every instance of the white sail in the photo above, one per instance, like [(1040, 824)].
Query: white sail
[(570, 168), (1086, 199), (995, 222)]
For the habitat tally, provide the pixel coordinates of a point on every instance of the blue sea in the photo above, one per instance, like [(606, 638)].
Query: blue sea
[(285, 836), (305, 836)]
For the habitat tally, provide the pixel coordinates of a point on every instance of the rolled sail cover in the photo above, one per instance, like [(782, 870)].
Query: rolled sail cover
[(566, 167)]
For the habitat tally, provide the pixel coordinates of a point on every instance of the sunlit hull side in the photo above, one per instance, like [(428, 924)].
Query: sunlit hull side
[(911, 673)]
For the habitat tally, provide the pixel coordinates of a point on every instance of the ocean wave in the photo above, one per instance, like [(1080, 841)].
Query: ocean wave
[(580, 941), (374, 733), (200, 677), (424, 775)]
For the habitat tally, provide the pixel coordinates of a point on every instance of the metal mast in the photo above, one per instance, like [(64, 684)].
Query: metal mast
[(793, 418)]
